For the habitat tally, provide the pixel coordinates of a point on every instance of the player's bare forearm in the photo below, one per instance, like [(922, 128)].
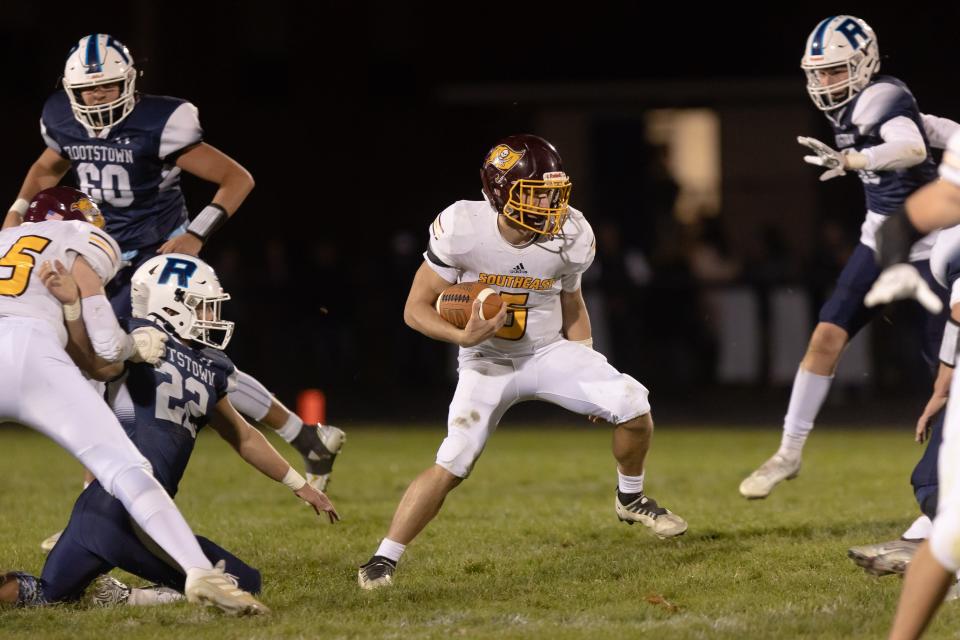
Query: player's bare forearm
[(249, 443), (64, 287), (576, 320), (423, 317), (209, 163), (941, 386), (45, 172), (935, 206), (419, 312)]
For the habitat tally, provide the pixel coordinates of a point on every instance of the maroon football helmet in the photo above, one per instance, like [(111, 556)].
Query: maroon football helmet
[(63, 203), (524, 180)]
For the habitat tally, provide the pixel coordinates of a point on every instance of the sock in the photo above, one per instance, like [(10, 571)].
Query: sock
[(390, 549), (629, 484), (154, 595), (919, 530), (809, 392), (291, 428)]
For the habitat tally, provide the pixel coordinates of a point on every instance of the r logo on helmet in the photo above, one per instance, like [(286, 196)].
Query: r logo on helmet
[(504, 158)]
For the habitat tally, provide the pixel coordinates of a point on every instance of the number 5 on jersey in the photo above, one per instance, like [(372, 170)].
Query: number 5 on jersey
[(16, 265), (516, 324)]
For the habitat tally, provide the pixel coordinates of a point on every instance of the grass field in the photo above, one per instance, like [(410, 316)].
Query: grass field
[(529, 547)]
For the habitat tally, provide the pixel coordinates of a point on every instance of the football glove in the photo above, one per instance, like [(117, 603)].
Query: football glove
[(899, 282), (149, 345), (827, 157)]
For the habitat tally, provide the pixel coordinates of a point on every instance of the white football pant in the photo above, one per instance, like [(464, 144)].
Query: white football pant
[(564, 373)]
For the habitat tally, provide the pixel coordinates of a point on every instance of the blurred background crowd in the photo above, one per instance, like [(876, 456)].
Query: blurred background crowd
[(360, 122)]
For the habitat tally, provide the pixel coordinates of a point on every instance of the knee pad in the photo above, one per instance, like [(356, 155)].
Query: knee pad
[(457, 453), (109, 462), (250, 398), (633, 402)]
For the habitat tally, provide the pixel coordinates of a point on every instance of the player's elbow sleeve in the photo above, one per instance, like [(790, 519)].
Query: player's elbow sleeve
[(108, 340)]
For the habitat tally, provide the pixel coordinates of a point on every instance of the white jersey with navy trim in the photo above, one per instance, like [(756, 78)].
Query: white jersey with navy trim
[(466, 246), (24, 248)]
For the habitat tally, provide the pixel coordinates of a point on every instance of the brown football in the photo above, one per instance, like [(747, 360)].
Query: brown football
[(455, 303)]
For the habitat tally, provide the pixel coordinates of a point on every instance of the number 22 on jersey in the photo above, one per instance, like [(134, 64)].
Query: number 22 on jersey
[(171, 404), (16, 264)]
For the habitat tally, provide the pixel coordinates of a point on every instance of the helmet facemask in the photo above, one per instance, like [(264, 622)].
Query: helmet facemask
[(99, 116), (207, 327), (541, 206), (837, 94)]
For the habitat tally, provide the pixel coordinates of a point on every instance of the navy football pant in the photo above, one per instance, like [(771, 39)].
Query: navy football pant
[(100, 537), (845, 307), (924, 476)]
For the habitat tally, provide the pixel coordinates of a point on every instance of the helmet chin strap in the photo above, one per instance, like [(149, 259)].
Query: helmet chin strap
[(158, 319)]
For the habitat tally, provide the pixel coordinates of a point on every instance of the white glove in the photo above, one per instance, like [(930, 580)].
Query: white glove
[(902, 281), (827, 157), (148, 345)]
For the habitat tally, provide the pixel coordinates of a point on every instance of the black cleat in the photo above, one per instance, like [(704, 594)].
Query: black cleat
[(319, 446), (378, 572)]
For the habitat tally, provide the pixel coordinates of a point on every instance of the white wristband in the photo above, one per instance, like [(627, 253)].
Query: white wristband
[(72, 311), (587, 342), (293, 480), (20, 205), (207, 221)]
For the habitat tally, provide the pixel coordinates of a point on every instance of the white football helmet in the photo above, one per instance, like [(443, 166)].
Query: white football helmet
[(840, 41), (183, 292), (99, 59)]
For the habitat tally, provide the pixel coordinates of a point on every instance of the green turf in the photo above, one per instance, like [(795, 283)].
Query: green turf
[(528, 547)]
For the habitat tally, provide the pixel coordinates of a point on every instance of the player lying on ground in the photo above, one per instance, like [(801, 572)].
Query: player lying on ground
[(45, 390), (524, 240), (161, 408)]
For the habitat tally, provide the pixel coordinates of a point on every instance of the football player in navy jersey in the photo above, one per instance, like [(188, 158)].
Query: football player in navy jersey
[(882, 136), (161, 408), (127, 151)]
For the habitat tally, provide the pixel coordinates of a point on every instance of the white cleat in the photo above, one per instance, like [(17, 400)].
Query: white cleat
[(640, 508), (884, 558), (48, 544), (761, 482), (217, 588)]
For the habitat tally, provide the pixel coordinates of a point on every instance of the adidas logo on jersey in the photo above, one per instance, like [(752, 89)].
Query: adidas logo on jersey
[(518, 269)]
